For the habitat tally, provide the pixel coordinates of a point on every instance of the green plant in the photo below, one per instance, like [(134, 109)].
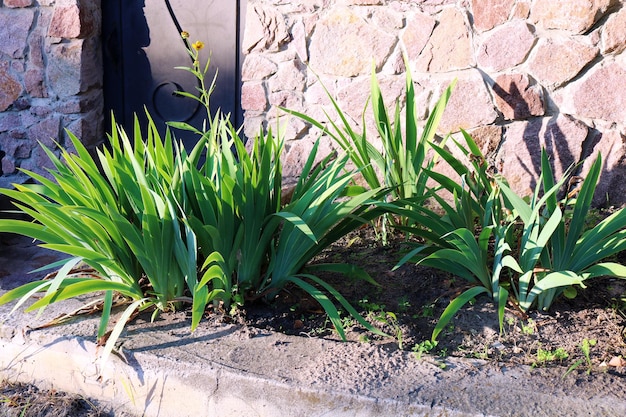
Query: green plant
[(390, 319), (402, 163), (146, 214), (556, 251), (120, 219), (424, 347), (253, 242), (455, 242), (528, 328), (504, 245), (544, 356), (585, 348)]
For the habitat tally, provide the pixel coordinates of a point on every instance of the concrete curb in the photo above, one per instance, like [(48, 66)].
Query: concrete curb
[(158, 382), (231, 370)]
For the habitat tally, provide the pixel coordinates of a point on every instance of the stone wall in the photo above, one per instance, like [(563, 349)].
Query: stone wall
[(50, 79), (531, 74)]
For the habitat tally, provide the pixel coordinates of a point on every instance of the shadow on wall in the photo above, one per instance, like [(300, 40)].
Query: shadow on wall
[(535, 137), (538, 133)]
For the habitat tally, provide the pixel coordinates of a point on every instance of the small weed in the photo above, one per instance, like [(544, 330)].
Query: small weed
[(528, 328), (428, 310), (368, 306), (423, 347), (403, 304), (545, 356), (585, 347), (484, 354), (390, 319)]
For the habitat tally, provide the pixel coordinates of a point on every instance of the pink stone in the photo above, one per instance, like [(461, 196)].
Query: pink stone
[(576, 16), (449, 47), (596, 96), (516, 98), (253, 97), (46, 131), (266, 29), (299, 40), (519, 157), (487, 138), (521, 10), (71, 22), (64, 68), (418, 30), (614, 33), (24, 149), (14, 27), (490, 13), (10, 87), (469, 105), (18, 3), (556, 61), (8, 166), (88, 128), (288, 77), (9, 121), (257, 67), (506, 47), (35, 50), (611, 145), (343, 44), (34, 83)]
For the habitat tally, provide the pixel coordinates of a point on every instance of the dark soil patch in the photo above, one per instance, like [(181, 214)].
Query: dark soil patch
[(416, 297)]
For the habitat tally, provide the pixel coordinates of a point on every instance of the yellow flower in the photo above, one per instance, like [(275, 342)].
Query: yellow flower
[(197, 45), (184, 34)]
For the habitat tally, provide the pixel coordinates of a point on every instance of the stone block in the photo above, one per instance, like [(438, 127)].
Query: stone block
[(596, 96), (257, 67), (469, 106), (419, 27), (253, 96), (519, 157), (65, 67), (611, 145), (345, 45), (17, 3), (614, 33), (47, 131), (266, 29), (10, 87), (450, 46), (517, 97), (506, 46), (490, 13), (35, 84), (74, 21), (14, 27), (555, 61), (576, 16), (289, 77)]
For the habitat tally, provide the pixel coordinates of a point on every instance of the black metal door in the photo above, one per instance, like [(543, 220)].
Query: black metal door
[(142, 46)]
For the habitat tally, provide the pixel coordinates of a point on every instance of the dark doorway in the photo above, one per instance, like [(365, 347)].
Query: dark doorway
[(142, 46)]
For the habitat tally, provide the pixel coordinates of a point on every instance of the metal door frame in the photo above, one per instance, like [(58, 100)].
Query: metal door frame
[(113, 63)]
